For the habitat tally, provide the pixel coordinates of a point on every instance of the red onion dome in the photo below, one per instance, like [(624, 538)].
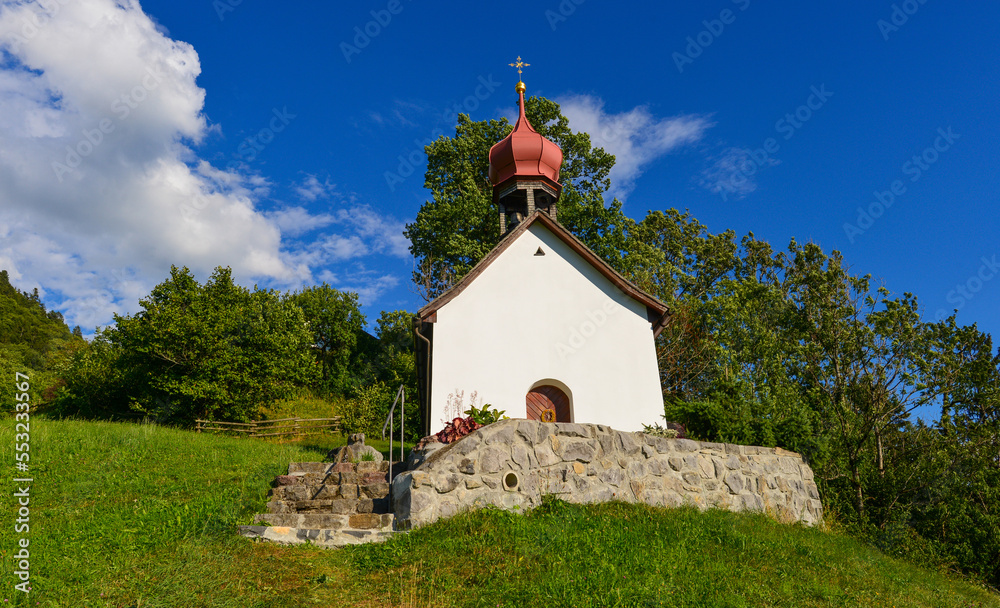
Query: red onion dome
[(524, 153)]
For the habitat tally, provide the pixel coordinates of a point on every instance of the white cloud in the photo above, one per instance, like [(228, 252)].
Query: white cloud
[(636, 138), (311, 188), (293, 221), (731, 173), (384, 234), (101, 188)]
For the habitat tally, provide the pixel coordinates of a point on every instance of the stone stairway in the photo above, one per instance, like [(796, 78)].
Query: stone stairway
[(328, 504)]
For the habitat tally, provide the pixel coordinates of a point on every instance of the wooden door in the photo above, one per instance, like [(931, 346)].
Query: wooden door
[(544, 398)]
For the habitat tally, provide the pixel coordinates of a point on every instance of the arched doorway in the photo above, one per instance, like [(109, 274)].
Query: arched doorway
[(547, 397)]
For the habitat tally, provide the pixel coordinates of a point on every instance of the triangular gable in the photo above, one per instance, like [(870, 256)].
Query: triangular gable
[(657, 312)]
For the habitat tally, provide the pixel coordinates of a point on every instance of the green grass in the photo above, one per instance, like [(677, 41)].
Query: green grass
[(127, 515)]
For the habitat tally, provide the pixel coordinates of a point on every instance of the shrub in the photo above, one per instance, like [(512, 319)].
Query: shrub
[(457, 428), (658, 431), (366, 412), (485, 415)]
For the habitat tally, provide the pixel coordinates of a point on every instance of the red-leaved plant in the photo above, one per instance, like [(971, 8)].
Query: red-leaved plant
[(456, 429)]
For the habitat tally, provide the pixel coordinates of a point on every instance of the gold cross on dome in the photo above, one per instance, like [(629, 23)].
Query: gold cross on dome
[(519, 65)]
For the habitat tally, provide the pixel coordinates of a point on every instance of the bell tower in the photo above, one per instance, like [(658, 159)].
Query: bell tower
[(524, 169)]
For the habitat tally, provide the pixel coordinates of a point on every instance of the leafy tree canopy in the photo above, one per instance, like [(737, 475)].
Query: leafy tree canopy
[(460, 224), (335, 320), (215, 351)]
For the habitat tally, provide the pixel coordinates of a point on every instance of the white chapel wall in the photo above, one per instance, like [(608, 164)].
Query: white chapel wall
[(531, 318)]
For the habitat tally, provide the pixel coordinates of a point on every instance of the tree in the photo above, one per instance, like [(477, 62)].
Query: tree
[(461, 224), (216, 351), (335, 320), (33, 341)]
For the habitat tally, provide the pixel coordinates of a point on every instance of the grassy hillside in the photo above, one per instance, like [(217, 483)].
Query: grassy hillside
[(33, 341), (128, 515)]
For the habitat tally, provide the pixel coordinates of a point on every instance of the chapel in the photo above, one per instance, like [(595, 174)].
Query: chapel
[(541, 327)]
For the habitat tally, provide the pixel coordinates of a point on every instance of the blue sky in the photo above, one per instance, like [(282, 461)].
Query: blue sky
[(277, 139)]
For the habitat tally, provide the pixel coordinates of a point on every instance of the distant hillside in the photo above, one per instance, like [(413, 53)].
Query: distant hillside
[(33, 340), (140, 515)]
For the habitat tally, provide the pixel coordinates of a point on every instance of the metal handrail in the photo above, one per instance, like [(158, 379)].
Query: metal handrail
[(401, 400)]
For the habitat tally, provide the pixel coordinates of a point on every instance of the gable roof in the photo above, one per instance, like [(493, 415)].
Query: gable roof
[(657, 312)]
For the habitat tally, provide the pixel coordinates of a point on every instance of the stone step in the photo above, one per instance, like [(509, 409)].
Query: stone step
[(327, 521), (324, 538), (338, 505), (324, 468), (330, 491), (318, 479)]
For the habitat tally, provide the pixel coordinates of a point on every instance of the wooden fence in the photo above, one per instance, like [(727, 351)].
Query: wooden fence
[(297, 427)]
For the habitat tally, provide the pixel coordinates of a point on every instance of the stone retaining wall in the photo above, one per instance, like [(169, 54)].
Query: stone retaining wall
[(513, 463)]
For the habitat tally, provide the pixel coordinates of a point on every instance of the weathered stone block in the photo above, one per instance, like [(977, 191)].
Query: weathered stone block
[(658, 466), (365, 521), (719, 466), (626, 443), (519, 454), (581, 450), (368, 466), (568, 429), (342, 478), (546, 457), (421, 500), (613, 476), (528, 430), (467, 467), (734, 481), (636, 469), (504, 435), (446, 482), (348, 490), (468, 444), (286, 480), (685, 445), (493, 459), (375, 490), (420, 478), (448, 508), (607, 443)]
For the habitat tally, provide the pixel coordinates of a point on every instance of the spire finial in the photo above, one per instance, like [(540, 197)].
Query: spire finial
[(520, 65)]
